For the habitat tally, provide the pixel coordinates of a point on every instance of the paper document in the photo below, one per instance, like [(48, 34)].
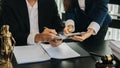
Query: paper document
[(60, 52), (29, 54), (115, 47), (43, 52)]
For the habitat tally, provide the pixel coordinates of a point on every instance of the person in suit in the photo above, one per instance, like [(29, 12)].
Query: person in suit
[(88, 16), (32, 21)]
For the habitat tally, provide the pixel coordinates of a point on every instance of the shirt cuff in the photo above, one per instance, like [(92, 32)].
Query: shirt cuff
[(70, 22), (30, 39), (95, 26)]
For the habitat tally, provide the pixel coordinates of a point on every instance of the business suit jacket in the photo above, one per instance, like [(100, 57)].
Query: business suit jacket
[(15, 14), (95, 10)]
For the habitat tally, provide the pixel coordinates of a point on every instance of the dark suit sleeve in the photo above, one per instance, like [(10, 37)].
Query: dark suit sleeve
[(9, 18), (95, 10), (58, 24), (70, 12), (100, 11)]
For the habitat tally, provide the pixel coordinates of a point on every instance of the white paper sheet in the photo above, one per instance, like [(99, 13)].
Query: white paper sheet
[(62, 51), (116, 43), (115, 47), (29, 54), (43, 52)]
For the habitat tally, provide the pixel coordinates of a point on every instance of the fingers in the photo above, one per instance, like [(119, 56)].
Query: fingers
[(55, 42), (82, 37), (46, 35), (68, 29), (52, 31), (49, 34), (77, 38)]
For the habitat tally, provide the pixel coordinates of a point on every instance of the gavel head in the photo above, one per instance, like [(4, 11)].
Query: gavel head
[(107, 58), (106, 61)]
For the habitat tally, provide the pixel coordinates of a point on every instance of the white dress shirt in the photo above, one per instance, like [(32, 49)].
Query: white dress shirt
[(33, 19), (92, 25)]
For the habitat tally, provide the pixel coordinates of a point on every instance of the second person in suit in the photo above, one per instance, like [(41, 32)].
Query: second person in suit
[(89, 16)]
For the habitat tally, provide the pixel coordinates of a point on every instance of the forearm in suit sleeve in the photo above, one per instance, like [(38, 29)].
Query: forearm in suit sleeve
[(58, 24), (101, 11)]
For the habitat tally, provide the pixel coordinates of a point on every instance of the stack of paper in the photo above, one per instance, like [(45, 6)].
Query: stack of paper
[(113, 33), (115, 47), (43, 52)]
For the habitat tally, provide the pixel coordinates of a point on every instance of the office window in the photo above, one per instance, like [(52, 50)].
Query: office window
[(113, 32), (114, 10)]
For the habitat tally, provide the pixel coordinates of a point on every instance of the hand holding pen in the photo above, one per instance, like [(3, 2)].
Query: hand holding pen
[(47, 36)]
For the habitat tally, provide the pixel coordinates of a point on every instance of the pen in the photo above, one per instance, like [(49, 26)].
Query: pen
[(45, 27), (51, 30)]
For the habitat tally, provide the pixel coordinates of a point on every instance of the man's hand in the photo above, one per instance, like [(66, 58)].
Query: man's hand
[(83, 36), (56, 41), (48, 35)]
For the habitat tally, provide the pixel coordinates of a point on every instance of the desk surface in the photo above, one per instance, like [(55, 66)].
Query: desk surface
[(83, 62)]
